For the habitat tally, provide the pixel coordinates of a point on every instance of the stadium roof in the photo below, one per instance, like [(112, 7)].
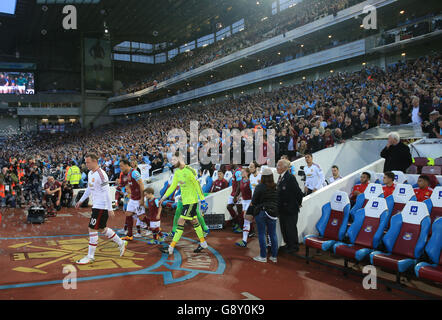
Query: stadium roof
[(149, 21)]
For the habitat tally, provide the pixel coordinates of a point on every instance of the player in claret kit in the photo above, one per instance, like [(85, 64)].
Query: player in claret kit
[(231, 202), (423, 191), (98, 187), (154, 216), (136, 202), (52, 196), (246, 196)]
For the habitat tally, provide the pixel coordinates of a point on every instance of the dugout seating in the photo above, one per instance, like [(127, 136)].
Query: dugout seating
[(438, 162), (420, 162), (402, 194), (432, 271), (373, 190), (405, 239), (332, 224), (412, 169), (399, 177), (228, 176), (434, 204), (366, 231), (206, 183), (435, 170), (170, 201)]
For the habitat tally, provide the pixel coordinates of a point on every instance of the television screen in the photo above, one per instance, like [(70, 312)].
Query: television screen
[(17, 82), (8, 6)]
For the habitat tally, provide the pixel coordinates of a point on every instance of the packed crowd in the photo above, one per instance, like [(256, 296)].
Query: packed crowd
[(307, 117), (304, 12)]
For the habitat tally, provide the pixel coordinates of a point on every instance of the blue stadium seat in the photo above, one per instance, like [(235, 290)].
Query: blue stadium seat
[(373, 190), (332, 224), (405, 240), (366, 231), (432, 271)]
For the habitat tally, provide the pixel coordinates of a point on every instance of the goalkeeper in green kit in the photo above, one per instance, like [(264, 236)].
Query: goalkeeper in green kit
[(185, 177)]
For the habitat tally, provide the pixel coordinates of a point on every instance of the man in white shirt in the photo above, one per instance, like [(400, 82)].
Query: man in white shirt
[(98, 188), (314, 176), (415, 112), (335, 175)]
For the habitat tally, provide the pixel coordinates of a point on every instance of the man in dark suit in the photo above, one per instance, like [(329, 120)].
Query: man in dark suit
[(290, 200), (397, 155)]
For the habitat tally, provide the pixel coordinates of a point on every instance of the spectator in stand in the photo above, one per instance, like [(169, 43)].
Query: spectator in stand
[(360, 187), (396, 154), (431, 127), (316, 143), (290, 201), (335, 175), (417, 110), (384, 116), (348, 130), (328, 139), (337, 136), (438, 129), (220, 183), (389, 184), (423, 191)]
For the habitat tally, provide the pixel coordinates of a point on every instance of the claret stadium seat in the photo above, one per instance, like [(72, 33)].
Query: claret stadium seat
[(366, 231), (405, 240), (373, 190), (436, 170), (432, 271), (402, 194), (332, 224), (420, 162)]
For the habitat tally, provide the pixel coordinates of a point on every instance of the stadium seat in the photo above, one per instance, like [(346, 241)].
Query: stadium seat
[(228, 176), (366, 231), (215, 175), (431, 170), (170, 201), (399, 177), (373, 190), (434, 204), (420, 162), (432, 271), (405, 240), (438, 162), (208, 185), (402, 194), (412, 169), (332, 224)]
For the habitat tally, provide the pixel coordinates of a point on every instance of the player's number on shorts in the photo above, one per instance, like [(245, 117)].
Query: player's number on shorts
[(93, 221)]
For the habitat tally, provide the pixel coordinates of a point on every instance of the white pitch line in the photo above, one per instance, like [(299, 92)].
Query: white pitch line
[(249, 296)]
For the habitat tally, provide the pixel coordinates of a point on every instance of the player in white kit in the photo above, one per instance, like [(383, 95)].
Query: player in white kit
[(98, 188)]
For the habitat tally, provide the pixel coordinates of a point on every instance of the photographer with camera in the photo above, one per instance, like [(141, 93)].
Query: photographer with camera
[(52, 197), (8, 187), (32, 182)]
